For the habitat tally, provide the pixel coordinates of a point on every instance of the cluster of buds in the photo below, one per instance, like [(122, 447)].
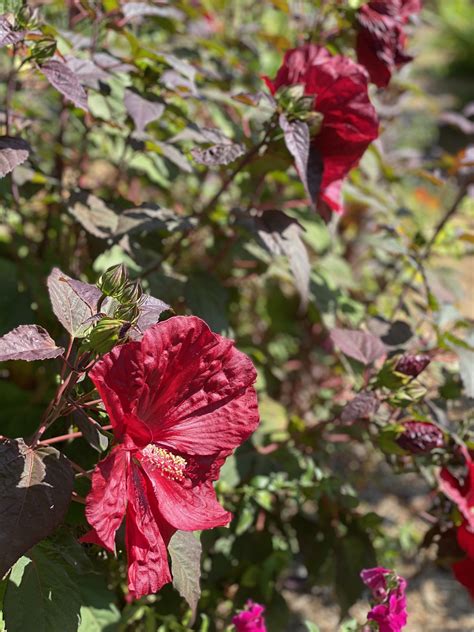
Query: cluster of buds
[(126, 297), (293, 102)]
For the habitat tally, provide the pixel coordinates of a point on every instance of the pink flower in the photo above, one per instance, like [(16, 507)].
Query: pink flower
[(349, 124), (180, 401), (381, 38), (388, 591), (251, 619)]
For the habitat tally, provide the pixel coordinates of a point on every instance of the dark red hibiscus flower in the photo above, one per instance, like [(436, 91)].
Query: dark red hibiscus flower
[(350, 122), (464, 569), (180, 401), (381, 38), (461, 494)]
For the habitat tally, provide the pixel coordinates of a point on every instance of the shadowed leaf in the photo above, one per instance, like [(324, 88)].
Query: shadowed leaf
[(28, 342), (36, 487), (363, 406), (281, 235)]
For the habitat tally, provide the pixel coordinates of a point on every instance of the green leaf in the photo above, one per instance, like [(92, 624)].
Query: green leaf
[(98, 611), (185, 552), (10, 6), (41, 597)]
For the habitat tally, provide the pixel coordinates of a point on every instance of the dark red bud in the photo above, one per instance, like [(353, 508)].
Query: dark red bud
[(412, 365), (420, 437)]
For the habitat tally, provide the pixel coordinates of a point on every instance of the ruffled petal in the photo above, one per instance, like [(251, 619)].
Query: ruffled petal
[(464, 573), (463, 498), (107, 500), (186, 506), (147, 536), (198, 396), (118, 377)]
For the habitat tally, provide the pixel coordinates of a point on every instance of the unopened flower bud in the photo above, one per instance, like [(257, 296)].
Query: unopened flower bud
[(128, 313), (420, 437), (113, 280), (412, 365), (105, 335), (131, 293)]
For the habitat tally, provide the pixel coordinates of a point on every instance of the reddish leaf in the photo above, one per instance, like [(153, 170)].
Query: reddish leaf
[(7, 34), (307, 160), (28, 342), (71, 308), (61, 77), (363, 406), (13, 151), (35, 491), (357, 344)]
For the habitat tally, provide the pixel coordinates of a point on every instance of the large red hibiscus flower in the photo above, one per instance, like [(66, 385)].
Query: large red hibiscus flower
[(350, 122), (462, 495), (381, 38), (180, 400)]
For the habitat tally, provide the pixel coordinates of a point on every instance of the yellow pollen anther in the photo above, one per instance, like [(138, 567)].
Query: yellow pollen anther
[(170, 465)]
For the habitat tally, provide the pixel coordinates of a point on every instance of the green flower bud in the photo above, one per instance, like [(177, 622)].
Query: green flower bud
[(105, 335), (113, 280), (128, 313), (131, 293)]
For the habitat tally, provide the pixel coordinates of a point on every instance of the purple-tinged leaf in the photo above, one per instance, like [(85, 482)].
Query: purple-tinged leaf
[(35, 491), (132, 10), (61, 77), (149, 218), (363, 406), (142, 110), (198, 134), (357, 344), (222, 154), (307, 159), (281, 235), (87, 292), (7, 34), (13, 152), (151, 309), (175, 81), (185, 551), (112, 64), (94, 215), (87, 72), (28, 342), (71, 309)]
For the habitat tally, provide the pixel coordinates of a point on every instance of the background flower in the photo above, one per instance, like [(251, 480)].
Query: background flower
[(349, 123)]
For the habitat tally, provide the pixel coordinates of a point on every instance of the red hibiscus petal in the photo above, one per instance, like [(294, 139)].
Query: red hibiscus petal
[(185, 506), (464, 573), (147, 536), (465, 539), (350, 123), (107, 500), (118, 377), (195, 389), (462, 498)]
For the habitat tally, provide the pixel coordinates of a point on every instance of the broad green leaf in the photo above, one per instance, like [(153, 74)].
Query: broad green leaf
[(41, 596)]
